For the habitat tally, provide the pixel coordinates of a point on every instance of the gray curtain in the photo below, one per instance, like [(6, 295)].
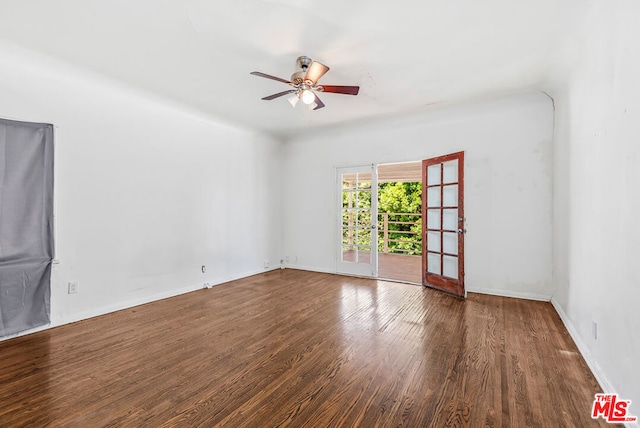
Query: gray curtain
[(26, 224)]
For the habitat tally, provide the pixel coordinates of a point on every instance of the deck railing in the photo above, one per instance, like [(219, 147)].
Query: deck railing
[(389, 236)]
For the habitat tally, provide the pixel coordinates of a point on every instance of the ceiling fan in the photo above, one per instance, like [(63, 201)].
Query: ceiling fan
[(305, 84)]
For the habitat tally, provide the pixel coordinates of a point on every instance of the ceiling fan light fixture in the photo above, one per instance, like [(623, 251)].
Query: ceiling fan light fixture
[(308, 96), (293, 100)]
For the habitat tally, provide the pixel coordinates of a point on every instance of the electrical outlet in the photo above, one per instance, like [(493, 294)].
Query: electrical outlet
[(203, 269), (73, 287), (266, 264), (595, 330), (287, 259)]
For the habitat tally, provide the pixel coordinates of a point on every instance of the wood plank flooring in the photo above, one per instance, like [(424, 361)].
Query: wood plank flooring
[(398, 267), (303, 349)]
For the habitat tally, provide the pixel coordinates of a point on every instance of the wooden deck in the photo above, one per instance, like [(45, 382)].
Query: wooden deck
[(303, 349), (400, 267), (397, 267)]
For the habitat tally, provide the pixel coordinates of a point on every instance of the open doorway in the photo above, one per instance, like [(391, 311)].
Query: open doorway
[(400, 221), (383, 214), (380, 221)]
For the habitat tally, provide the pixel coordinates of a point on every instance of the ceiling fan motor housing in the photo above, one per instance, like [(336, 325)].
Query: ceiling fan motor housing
[(304, 62), (298, 76)]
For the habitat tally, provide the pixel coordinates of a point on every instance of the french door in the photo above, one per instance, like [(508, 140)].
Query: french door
[(443, 223), (358, 221)]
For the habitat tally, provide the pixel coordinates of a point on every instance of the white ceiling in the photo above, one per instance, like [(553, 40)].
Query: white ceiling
[(405, 55)]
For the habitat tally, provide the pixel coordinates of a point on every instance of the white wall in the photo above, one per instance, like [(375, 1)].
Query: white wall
[(596, 197), (508, 183), (145, 192)]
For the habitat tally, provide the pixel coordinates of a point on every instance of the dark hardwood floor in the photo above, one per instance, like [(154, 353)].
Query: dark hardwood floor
[(295, 348)]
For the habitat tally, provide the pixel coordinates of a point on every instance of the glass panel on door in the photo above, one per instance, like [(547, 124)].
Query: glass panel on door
[(357, 189)]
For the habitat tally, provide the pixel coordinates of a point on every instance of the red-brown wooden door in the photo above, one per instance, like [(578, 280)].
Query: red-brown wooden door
[(443, 223)]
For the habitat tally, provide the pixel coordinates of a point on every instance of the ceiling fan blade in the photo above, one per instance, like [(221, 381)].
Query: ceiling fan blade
[(319, 104), (348, 90), (268, 76), (315, 72), (279, 94)]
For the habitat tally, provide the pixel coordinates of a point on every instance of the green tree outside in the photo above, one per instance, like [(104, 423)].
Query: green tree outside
[(402, 202)]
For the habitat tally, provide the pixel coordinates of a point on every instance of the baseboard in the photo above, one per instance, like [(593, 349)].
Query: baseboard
[(155, 297), (308, 268), (502, 293), (245, 274), (103, 310), (514, 294), (593, 365), (595, 368), (25, 332)]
